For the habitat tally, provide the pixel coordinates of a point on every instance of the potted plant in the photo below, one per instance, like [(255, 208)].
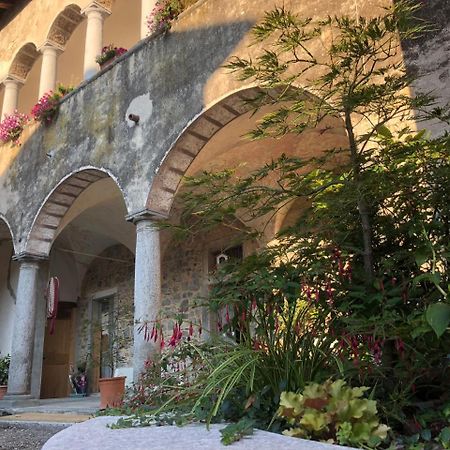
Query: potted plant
[(108, 55), (4, 369), (46, 108), (79, 380), (11, 127), (114, 343), (163, 14)]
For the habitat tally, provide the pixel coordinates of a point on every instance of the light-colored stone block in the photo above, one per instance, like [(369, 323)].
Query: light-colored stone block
[(94, 434)]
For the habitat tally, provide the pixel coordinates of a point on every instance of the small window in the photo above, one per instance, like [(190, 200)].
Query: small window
[(220, 257)]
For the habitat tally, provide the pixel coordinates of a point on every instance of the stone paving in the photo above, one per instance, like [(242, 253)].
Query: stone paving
[(84, 406), (95, 435), (26, 436)]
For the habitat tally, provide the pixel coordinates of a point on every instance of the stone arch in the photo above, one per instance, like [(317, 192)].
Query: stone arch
[(64, 25), (57, 204), (23, 62), (194, 138), (6, 230), (188, 146)]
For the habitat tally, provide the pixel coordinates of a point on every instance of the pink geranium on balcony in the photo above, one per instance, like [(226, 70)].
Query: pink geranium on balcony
[(11, 127), (163, 14), (109, 53), (47, 106)]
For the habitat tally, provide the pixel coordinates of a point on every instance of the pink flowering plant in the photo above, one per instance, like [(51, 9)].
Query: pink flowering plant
[(47, 107), (11, 127), (163, 14), (109, 52)]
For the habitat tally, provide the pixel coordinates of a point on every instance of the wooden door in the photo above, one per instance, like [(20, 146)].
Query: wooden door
[(58, 355)]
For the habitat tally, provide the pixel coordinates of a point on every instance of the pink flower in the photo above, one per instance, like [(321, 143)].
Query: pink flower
[(12, 126)]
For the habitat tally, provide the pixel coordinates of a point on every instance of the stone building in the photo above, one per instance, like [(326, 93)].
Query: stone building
[(79, 198)]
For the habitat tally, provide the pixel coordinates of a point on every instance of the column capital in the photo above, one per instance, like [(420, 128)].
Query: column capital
[(96, 7), (26, 257), (146, 214), (13, 79), (51, 45)]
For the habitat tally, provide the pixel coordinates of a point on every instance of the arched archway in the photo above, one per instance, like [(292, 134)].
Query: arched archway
[(46, 225), (25, 70), (82, 230), (64, 25), (23, 61)]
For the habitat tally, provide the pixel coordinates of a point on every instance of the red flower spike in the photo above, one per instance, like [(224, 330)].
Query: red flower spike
[(191, 329), (227, 315), (200, 329), (341, 267), (254, 304), (308, 294)]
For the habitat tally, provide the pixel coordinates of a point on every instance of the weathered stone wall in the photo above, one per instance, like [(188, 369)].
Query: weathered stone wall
[(168, 80), (185, 284), (186, 269)]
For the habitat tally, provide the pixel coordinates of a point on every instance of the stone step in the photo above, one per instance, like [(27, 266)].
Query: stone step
[(43, 418)]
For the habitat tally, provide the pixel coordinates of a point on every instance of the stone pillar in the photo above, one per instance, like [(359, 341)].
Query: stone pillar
[(96, 15), (19, 380), (146, 8), (11, 95), (49, 67), (39, 331), (147, 289)]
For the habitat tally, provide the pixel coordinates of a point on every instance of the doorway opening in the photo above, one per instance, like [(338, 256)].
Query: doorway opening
[(102, 339)]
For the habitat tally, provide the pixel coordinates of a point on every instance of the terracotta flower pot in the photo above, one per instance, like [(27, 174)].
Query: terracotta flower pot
[(2, 391), (112, 391), (107, 63)]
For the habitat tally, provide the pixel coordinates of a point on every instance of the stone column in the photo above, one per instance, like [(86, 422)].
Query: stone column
[(146, 8), (96, 15), (147, 289), (49, 67), (11, 95), (19, 380)]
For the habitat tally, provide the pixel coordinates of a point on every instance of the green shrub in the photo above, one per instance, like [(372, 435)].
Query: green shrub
[(333, 412)]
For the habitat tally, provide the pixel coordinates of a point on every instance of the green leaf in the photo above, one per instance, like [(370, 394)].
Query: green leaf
[(444, 436), (421, 256), (384, 131), (236, 431), (438, 316), (314, 420)]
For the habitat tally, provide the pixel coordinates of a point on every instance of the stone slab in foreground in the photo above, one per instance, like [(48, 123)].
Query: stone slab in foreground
[(94, 434)]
